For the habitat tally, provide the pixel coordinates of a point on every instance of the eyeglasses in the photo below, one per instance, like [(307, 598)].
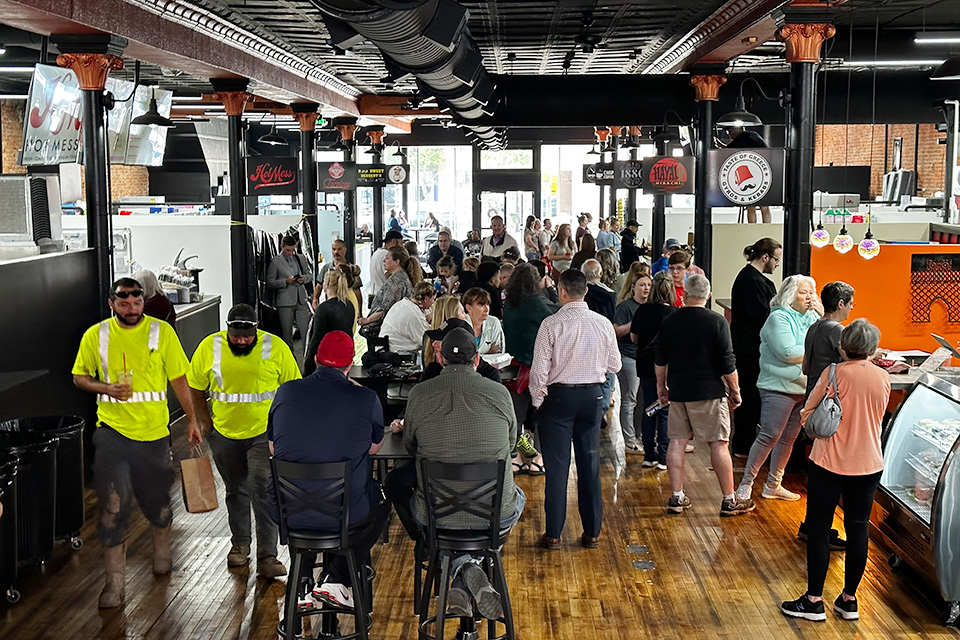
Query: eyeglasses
[(242, 324), (126, 294), (676, 268)]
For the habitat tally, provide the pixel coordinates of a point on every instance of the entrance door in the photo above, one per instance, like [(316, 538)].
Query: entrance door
[(513, 206)]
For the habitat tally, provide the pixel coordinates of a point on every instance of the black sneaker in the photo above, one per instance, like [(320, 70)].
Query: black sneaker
[(836, 542), (678, 505), (489, 603), (736, 507), (803, 608), (846, 609), (458, 600)]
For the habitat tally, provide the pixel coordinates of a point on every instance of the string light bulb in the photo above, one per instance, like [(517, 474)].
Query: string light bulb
[(869, 247), (844, 241), (820, 237)]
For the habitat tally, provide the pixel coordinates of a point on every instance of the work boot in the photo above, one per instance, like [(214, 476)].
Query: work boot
[(115, 561), (162, 556)]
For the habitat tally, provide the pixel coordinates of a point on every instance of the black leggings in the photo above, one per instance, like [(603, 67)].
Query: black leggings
[(824, 491)]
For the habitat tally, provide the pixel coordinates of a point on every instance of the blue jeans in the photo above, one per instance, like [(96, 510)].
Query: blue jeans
[(653, 428), (571, 414), (607, 391), (630, 412), (779, 428)]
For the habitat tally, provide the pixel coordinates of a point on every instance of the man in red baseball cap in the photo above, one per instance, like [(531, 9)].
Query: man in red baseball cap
[(325, 418)]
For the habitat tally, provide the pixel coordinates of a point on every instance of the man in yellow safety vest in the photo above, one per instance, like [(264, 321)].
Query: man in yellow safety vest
[(242, 368), (127, 361)]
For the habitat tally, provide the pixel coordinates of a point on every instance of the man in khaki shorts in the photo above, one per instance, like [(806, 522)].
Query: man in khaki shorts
[(695, 366)]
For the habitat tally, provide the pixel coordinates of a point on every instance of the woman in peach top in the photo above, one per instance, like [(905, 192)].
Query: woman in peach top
[(847, 465)]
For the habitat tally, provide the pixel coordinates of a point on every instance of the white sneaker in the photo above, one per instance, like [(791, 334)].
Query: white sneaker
[(649, 463), (333, 593), (632, 446), (689, 448), (661, 466), (744, 492), (779, 493)]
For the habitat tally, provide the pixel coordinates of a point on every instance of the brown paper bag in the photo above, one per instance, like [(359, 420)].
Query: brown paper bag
[(199, 489)]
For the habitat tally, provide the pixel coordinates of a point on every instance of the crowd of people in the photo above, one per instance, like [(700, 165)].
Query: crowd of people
[(576, 320)]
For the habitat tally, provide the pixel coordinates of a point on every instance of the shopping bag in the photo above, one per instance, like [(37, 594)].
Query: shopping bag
[(198, 487)]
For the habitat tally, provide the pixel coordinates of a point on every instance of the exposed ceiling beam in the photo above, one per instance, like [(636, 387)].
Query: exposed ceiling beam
[(373, 105), (166, 43)]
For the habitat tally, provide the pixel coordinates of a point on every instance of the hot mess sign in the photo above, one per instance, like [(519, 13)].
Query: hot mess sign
[(272, 176)]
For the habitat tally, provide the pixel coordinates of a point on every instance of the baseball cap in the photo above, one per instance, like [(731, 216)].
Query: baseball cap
[(671, 243), (241, 321), (632, 222), (448, 326), (335, 350), (459, 346), (393, 234)]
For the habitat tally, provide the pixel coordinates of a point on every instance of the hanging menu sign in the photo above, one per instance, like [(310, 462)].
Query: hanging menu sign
[(600, 174), (272, 176), (665, 175), (627, 174), (745, 177), (380, 175), (51, 127), (336, 176)]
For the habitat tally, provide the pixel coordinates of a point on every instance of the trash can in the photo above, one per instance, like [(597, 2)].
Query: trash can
[(9, 562), (36, 493), (69, 496)]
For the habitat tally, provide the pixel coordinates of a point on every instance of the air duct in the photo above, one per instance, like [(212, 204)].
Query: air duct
[(429, 40)]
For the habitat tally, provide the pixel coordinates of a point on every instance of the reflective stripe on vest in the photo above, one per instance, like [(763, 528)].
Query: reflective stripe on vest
[(153, 342), (137, 396), (218, 374)]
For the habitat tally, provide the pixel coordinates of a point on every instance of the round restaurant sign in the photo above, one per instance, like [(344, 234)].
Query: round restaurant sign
[(336, 171), (745, 178)]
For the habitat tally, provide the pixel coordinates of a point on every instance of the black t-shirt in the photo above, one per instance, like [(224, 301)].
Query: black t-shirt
[(695, 344), (646, 324), (748, 140), (332, 314), (749, 308), (600, 300)]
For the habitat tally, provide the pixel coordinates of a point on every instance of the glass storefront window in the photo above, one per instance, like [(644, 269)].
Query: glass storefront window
[(441, 183), (507, 159)]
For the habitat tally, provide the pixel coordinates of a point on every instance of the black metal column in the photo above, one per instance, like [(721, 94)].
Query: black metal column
[(658, 225), (376, 146), (614, 145), (631, 211), (702, 216), (308, 184), (98, 200), (798, 211), (238, 213), (348, 129)]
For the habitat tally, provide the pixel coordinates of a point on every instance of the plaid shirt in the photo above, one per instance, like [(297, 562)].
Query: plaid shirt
[(574, 346)]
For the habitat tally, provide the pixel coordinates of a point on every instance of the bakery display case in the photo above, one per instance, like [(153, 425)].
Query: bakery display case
[(917, 509)]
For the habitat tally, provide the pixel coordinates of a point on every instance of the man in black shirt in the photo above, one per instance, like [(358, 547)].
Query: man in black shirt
[(750, 306), (600, 298), (694, 365), (629, 251), (740, 138)]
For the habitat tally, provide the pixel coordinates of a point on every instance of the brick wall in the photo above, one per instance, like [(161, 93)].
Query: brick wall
[(124, 180), (863, 144), (11, 134)]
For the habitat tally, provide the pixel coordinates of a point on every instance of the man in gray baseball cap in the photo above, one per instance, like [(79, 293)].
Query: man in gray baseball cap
[(670, 246)]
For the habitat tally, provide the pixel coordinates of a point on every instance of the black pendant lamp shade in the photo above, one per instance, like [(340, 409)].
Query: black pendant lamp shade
[(152, 117), (273, 137), (949, 70), (739, 117)]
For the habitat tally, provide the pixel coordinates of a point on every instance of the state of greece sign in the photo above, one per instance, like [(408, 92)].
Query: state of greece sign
[(745, 177)]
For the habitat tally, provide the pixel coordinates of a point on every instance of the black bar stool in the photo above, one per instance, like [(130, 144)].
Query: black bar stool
[(323, 488), (463, 489)]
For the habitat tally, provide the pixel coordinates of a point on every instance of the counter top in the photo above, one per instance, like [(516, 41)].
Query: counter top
[(209, 300)]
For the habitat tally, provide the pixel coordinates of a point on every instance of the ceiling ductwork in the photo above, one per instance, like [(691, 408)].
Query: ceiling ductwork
[(427, 39)]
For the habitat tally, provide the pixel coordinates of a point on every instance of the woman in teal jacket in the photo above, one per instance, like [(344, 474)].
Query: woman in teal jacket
[(782, 383)]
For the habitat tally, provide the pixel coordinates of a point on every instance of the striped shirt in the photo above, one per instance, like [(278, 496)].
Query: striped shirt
[(574, 346)]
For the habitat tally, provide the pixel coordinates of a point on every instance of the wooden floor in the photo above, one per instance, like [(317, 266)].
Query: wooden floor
[(709, 577)]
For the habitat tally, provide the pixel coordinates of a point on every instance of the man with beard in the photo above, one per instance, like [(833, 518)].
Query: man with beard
[(242, 380), (127, 361)]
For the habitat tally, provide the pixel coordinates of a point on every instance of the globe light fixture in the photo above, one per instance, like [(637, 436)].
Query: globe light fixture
[(820, 237)]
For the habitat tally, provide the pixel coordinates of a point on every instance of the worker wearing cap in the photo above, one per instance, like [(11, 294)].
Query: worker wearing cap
[(242, 368), (127, 361), (671, 246)]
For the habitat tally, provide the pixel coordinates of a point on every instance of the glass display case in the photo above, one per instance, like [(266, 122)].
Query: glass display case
[(917, 510)]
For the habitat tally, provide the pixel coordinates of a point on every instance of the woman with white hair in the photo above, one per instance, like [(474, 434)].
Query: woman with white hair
[(155, 301), (781, 383)]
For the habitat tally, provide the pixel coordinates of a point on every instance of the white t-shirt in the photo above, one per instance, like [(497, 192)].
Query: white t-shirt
[(405, 325), (378, 274), (491, 334)]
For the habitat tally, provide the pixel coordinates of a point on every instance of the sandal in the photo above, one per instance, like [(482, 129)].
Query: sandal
[(520, 469), (535, 469)]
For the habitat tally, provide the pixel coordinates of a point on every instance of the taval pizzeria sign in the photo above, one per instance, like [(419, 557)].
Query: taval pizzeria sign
[(272, 176)]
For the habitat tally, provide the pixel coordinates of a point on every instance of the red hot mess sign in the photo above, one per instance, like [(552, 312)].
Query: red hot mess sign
[(272, 176)]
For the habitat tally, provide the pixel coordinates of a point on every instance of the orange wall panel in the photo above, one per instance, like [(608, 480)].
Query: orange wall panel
[(884, 294)]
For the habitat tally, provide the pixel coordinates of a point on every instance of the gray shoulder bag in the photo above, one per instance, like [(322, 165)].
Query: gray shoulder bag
[(825, 419)]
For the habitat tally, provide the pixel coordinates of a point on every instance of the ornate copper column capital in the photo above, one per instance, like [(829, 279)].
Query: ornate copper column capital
[(804, 40), (234, 102), (707, 87), (375, 135), (307, 121), (92, 69)]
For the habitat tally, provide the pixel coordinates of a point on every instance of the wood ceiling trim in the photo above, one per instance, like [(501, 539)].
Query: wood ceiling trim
[(159, 41)]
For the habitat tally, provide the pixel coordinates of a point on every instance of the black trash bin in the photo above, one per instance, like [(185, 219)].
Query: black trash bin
[(9, 557), (36, 492), (69, 500)]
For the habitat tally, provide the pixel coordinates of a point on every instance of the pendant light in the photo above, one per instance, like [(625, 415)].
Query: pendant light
[(844, 241), (820, 237), (949, 70), (152, 117), (869, 247), (273, 137)]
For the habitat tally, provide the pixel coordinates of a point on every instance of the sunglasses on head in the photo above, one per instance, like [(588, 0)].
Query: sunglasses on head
[(242, 324), (126, 294)]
